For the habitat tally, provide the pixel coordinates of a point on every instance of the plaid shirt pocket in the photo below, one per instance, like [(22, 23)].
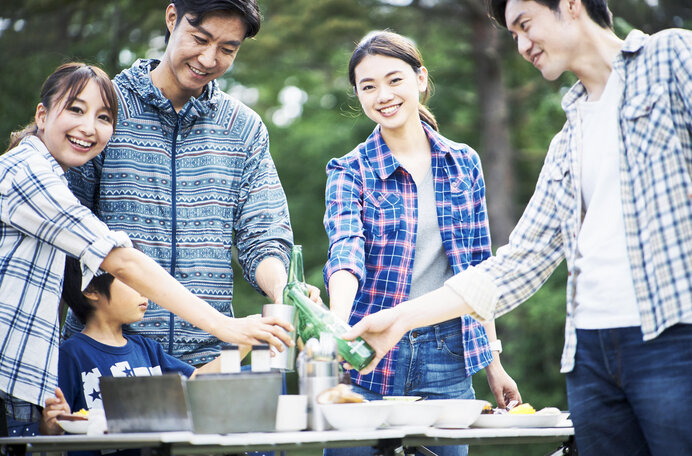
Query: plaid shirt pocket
[(382, 213)]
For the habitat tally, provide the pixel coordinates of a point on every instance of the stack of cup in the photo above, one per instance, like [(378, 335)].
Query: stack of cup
[(318, 370)]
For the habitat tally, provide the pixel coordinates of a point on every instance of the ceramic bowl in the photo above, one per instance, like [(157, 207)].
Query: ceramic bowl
[(421, 413), (459, 413), (363, 416), (74, 427)]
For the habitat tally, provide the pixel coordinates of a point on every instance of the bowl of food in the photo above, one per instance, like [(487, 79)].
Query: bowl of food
[(523, 415), (74, 423), (356, 416), (458, 413), (416, 413)]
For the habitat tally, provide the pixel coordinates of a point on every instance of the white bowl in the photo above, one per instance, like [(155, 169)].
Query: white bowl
[(74, 427), (459, 413), (363, 416), (421, 413)]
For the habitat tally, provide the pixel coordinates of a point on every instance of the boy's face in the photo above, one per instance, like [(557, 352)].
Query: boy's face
[(126, 304), (544, 37), (199, 54)]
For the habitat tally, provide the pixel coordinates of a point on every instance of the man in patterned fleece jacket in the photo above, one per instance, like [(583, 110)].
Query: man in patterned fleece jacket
[(188, 174)]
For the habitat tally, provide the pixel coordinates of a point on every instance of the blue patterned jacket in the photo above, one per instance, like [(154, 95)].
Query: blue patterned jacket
[(187, 187)]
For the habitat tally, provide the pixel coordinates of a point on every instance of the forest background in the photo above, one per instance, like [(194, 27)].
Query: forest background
[(294, 74)]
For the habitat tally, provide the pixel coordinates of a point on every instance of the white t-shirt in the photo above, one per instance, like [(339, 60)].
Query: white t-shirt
[(605, 295)]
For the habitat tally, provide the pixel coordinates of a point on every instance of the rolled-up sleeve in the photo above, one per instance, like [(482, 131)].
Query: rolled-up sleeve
[(343, 219)]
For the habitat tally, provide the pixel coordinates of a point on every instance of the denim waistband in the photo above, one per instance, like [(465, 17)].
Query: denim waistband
[(18, 409), (424, 333)]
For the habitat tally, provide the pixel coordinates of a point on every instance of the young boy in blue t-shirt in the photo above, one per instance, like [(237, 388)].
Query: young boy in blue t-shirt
[(101, 349)]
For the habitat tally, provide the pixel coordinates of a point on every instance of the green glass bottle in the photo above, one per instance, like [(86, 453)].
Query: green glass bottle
[(296, 278), (315, 319), (296, 274)]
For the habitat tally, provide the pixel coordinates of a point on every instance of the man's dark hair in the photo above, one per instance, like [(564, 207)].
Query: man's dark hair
[(72, 289), (246, 10), (596, 9)]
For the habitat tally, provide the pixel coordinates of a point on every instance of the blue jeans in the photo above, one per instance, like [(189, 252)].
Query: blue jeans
[(630, 397), (430, 364), (21, 418)]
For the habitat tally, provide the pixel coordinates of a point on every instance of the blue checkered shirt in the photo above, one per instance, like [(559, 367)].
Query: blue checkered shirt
[(371, 221), (41, 222), (655, 120)]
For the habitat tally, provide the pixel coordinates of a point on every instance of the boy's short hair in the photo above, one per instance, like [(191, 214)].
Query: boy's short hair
[(72, 289), (246, 10), (596, 9)]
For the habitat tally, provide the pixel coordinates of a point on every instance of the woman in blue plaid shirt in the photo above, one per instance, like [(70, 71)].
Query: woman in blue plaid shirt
[(405, 211), (41, 222)]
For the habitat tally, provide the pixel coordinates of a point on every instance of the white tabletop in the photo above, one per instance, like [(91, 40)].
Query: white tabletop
[(188, 442)]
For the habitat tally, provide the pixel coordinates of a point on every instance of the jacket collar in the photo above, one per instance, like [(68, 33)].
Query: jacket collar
[(138, 79), (633, 44), (383, 161)]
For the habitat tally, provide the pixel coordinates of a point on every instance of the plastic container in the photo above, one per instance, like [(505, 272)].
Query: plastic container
[(227, 403)]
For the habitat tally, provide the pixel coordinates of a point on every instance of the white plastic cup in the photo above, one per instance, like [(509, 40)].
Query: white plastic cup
[(230, 359), (283, 361), (261, 360), (292, 413)]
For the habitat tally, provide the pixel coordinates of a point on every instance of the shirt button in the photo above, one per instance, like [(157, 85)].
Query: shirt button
[(414, 334)]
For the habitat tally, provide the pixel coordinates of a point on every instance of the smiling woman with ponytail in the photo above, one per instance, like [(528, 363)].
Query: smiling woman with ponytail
[(405, 210)]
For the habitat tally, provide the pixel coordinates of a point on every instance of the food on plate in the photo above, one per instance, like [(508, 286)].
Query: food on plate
[(339, 394), (523, 409), (81, 415)]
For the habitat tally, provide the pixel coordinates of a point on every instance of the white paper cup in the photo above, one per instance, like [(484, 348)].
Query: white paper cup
[(292, 413), (283, 361)]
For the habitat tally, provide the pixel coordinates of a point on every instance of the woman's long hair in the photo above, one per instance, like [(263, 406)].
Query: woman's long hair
[(63, 86), (392, 44)]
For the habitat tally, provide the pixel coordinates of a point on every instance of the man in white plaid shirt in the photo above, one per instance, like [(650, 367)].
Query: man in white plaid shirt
[(614, 198)]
